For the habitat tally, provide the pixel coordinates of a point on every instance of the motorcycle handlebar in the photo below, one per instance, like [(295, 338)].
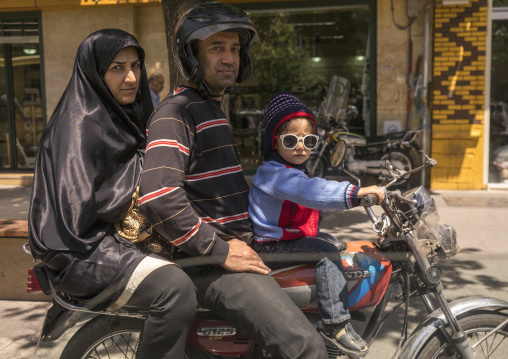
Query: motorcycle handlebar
[(369, 200)]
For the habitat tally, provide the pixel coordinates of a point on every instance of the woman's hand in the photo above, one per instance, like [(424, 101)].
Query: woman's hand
[(380, 193)]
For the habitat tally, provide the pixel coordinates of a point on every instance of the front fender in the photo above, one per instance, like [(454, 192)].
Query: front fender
[(428, 327)]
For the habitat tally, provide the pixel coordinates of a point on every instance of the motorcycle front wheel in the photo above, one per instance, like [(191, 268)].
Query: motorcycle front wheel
[(476, 326)]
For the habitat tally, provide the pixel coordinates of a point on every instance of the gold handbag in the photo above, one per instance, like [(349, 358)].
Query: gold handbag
[(133, 226)]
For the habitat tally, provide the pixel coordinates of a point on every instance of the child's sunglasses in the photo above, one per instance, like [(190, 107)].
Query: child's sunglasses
[(290, 141)]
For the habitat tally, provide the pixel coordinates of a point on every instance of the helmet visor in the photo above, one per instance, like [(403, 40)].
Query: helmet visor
[(247, 33)]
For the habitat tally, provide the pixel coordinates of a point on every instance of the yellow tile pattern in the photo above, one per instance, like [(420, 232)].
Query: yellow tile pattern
[(458, 95)]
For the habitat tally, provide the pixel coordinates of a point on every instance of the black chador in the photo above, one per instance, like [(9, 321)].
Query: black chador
[(88, 165)]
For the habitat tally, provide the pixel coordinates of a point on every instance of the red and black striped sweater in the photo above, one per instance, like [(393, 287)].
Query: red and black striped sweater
[(192, 188)]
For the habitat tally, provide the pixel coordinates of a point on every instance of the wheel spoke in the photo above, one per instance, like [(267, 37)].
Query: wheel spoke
[(117, 346), (490, 346), (493, 346)]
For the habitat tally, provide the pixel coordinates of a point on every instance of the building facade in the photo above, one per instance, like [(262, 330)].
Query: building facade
[(418, 64)]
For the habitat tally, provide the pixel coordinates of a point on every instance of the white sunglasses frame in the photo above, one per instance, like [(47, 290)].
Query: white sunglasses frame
[(299, 138)]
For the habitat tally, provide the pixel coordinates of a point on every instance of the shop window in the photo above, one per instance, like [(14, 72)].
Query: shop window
[(21, 105), (498, 136), (300, 51)]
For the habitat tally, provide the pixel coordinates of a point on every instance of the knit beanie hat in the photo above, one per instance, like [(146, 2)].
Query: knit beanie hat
[(283, 107)]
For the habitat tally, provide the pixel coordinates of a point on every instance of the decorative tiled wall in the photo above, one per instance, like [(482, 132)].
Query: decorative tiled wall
[(458, 95)]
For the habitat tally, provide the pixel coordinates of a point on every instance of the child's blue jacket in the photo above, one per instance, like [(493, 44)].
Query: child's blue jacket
[(284, 203)]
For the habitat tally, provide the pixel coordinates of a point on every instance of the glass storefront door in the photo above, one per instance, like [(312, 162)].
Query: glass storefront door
[(5, 128), (498, 136), (21, 109)]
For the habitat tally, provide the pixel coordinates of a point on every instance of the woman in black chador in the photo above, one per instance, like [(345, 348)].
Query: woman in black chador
[(88, 166)]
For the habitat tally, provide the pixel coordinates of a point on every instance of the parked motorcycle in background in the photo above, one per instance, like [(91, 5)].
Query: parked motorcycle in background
[(367, 156)]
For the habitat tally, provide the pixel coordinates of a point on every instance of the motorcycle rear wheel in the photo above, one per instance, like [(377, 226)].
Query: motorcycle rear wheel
[(105, 337), (476, 326), (114, 338)]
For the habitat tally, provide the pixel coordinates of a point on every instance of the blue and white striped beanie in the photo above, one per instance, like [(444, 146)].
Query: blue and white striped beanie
[(283, 107)]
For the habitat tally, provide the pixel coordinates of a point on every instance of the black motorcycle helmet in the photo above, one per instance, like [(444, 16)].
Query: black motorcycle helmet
[(205, 20)]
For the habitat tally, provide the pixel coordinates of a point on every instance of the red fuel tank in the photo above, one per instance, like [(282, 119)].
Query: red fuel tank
[(367, 274)]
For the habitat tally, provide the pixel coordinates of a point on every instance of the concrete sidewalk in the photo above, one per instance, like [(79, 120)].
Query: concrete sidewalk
[(479, 217)]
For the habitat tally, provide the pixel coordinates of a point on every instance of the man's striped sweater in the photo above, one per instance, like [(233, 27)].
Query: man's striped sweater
[(192, 188)]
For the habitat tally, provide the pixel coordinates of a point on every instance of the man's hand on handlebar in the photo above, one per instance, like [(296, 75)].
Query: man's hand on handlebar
[(242, 258), (375, 190)]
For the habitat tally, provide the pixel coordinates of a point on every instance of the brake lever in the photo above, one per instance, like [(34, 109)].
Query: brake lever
[(429, 162)]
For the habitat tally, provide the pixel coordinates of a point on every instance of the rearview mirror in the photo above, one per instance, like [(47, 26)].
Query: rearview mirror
[(338, 153)]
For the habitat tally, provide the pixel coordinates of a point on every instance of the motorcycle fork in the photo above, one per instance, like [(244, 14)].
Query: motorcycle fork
[(458, 339)]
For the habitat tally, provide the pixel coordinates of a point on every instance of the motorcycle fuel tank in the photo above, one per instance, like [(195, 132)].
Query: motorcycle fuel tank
[(367, 275)]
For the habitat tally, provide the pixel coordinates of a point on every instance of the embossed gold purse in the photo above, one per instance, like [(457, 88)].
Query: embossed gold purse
[(134, 227)]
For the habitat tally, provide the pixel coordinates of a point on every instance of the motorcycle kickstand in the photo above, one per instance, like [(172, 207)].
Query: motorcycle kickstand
[(139, 350)]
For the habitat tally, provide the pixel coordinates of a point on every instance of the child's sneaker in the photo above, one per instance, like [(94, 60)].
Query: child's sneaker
[(346, 340)]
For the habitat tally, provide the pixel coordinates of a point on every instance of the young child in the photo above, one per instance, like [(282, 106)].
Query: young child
[(285, 205)]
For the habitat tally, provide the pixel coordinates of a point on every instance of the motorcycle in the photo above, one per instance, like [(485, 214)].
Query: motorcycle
[(401, 264), (367, 156)]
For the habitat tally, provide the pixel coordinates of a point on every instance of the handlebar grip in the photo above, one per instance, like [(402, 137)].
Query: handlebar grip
[(369, 200)]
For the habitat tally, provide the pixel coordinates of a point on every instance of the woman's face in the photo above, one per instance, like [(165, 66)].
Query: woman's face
[(123, 74)]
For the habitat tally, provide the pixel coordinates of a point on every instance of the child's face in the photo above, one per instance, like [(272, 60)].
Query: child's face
[(299, 127)]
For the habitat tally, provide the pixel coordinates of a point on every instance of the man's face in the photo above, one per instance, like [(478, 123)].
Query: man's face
[(219, 59), (157, 85)]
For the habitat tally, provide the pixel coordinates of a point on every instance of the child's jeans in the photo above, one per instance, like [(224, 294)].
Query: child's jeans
[(330, 280)]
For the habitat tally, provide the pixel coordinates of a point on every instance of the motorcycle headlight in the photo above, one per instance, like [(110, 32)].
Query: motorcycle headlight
[(424, 204), (442, 237), (428, 226)]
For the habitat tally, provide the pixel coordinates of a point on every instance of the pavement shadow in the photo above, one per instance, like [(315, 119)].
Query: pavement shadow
[(30, 317), (460, 272), (30, 341), (15, 201), (457, 273), (35, 312), (392, 328)]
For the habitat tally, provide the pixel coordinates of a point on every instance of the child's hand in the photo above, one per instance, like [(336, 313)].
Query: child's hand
[(372, 190)]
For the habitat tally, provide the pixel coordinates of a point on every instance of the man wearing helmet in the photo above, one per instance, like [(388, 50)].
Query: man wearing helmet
[(194, 194)]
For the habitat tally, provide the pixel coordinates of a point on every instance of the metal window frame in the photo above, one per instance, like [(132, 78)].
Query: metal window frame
[(494, 13), (9, 81), (327, 4)]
